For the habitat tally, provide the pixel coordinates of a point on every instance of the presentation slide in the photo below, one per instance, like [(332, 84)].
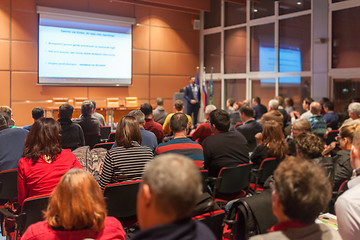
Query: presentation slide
[(84, 56)]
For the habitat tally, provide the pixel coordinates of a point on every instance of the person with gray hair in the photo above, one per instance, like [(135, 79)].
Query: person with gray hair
[(318, 124), (97, 115), (354, 114), (12, 143), (273, 113), (89, 124), (204, 129), (167, 198), (148, 138), (159, 113)]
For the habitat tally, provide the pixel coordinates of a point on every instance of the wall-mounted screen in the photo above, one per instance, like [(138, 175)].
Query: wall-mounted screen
[(90, 50)]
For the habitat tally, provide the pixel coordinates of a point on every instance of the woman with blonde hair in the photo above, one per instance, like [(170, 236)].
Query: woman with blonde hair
[(76, 210), (127, 160), (271, 143)]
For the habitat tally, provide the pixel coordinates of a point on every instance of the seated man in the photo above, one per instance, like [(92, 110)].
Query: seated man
[(150, 124), (167, 198), (11, 143), (347, 206), (159, 113), (225, 148), (89, 124), (301, 191), (178, 108), (203, 130), (72, 135), (318, 124), (331, 117), (273, 113), (37, 112), (181, 144), (97, 115), (250, 127)]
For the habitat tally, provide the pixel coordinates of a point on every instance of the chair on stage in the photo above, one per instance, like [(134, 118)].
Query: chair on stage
[(112, 102), (59, 101), (131, 102), (78, 101)]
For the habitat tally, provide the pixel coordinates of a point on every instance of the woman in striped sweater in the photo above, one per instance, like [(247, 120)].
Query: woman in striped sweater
[(126, 161)]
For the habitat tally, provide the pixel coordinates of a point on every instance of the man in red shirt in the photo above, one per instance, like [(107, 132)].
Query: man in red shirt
[(150, 124)]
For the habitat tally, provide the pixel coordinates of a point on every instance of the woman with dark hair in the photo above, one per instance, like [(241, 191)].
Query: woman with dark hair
[(271, 143), (127, 160), (76, 210), (43, 162)]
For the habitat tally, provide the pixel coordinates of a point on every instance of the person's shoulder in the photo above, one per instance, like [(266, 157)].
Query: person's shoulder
[(203, 232), (39, 230), (278, 235)]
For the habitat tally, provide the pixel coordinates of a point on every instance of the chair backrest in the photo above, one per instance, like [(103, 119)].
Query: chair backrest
[(331, 136), (214, 221), (79, 100), (121, 199), (234, 179), (111, 137), (8, 184), (104, 132), (106, 145), (131, 102), (91, 140), (267, 166), (204, 179), (59, 101), (31, 212), (112, 102)]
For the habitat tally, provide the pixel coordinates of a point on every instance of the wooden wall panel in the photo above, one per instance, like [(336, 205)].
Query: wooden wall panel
[(165, 18), (141, 62), (5, 4), (112, 8), (78, 5), (24, 26), (4, 23), (142, 15), (191, 4), (105, 92), (169, 63), (140, 87), (173, 83), (24, 56), (141, 36), (28, 5), (5, 88), (175, 41), (22, 112), (5, 55)]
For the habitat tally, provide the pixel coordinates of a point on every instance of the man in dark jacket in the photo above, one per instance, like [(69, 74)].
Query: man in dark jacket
[(167, 198)]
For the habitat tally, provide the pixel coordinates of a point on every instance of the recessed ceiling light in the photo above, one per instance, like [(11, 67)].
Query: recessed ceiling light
[(299, 3), (255, 10)]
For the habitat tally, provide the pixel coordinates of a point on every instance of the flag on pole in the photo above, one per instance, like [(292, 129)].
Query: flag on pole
[(211, 88), (204, 95), (197, 77)]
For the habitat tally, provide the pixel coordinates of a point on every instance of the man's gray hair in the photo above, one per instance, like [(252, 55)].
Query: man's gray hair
[(138, 115), (175, 182), (274, 104), (355, 108), (3, 119), (209, 109), (87, 107)]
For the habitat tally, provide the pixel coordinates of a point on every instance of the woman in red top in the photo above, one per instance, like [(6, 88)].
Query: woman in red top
[(76, 211), (43, 162)]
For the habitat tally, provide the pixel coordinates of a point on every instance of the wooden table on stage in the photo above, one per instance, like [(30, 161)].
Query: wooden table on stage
[(112, 115)]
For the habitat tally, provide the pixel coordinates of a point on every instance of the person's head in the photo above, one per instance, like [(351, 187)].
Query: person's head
[(346, 135), (273, 104), (37, 112), (315, 108), (94, 104), (179, 106), (127, 131), (328, 106), (178, 122), (146, 108), (273, 138), (230, 102), (4, 120), (355, 151), (208, 110), (289, 102), (77, 203), (324, 100), (280, 99), (138, 115), (166, 195), (220, 119), (301, 191), (6, 110), (354, 110), (192, 79), (87, 108), (309, 145), (43, 140), (66, 111), (306, 103), (246, 112), (256, 100), (159, 101), (300, 126)]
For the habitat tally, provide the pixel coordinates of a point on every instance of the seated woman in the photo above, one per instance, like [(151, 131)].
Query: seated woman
[(44, 162), (298, 126), (76, 210), (127, 160), (271, 143)]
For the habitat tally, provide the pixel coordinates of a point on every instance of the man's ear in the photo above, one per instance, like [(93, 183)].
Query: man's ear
[(146, 194)]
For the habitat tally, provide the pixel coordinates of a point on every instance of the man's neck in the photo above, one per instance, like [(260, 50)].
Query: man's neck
[(181, 134), (248, 119)]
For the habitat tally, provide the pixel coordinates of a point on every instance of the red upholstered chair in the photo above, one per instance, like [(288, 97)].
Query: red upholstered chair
[(111, 137), (265, 170), (104, 133), (232, 182), (121, 201), (8, 186), (106, 145), (214, 220)]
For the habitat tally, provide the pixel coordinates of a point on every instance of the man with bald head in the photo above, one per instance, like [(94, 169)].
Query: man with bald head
[(318, 124)]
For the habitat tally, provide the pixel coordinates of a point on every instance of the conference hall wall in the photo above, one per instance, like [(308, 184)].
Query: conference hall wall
[(165, 53)]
